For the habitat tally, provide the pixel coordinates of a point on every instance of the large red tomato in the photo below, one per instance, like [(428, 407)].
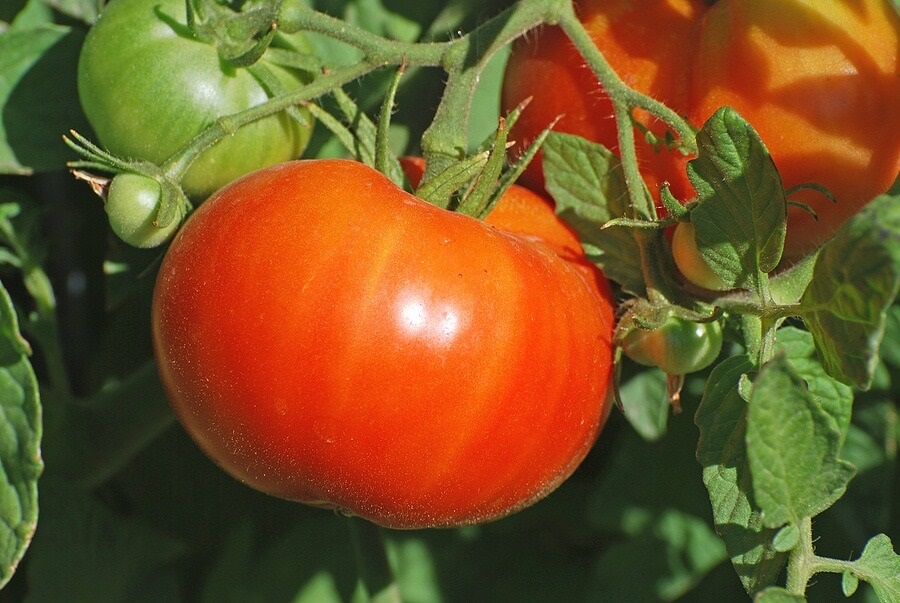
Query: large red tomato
[(328, 338), (647, 42), (819, 82)]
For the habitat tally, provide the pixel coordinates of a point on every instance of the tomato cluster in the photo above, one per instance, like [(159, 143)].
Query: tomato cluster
[(353, 346), (816, 79)]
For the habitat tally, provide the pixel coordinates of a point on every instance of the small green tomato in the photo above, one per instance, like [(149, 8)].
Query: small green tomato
[(689, 261), (678, 347), (132, 203)]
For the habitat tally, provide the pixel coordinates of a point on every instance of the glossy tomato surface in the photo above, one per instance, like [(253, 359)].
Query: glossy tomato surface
[(819, 82), (148, 86), (647, 42), (328, 338)]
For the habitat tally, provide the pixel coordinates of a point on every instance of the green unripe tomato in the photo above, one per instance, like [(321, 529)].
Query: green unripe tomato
[(148, 87), (678, 347), (689, 261), (132, 203)]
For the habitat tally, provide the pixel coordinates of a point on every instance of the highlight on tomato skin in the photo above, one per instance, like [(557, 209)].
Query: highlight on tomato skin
[(353, 346)]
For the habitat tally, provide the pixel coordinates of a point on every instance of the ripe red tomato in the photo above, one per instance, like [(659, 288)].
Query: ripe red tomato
[(328, 338), (819, 82), (647, 42)]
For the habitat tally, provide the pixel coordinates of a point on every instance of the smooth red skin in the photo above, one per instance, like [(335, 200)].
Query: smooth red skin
[(326, 337), (819, 82), (645, 41)]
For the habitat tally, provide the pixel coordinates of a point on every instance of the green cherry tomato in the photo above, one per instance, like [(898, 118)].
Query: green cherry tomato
[(132, 203), (689, 261), (147, 87), (678, 347)]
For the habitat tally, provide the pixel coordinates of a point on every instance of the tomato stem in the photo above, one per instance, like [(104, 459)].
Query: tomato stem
[(445, 141), (617, 89), (799, 569), (178, 164), (42, 324), (374, 48), (803, 563)]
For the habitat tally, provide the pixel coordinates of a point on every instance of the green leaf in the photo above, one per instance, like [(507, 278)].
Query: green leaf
[(25, 13), (792, 447), (96, 439), (856, 279), (588, 185), (646, 403), (254, 564), (849, 583), (38, 97), (835, 398), (20, 440), (741, 218), (440, 188), (879, 565), (776, 594), (890, 345), (786, 538), (12, 345), (83, 10), (721, 450), (676, 548), (362, 126), (870, 504), (787, 286)]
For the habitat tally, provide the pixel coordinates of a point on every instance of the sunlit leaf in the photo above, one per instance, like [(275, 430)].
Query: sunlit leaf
[(856, 279)]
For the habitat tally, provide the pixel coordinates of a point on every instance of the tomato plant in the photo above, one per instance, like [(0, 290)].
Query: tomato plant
[(442, 358), (365, 328), (647, 42), (677, 346), (148, 86)]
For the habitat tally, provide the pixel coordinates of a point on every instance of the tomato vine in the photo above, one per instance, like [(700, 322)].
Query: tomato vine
[(751, 288)]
